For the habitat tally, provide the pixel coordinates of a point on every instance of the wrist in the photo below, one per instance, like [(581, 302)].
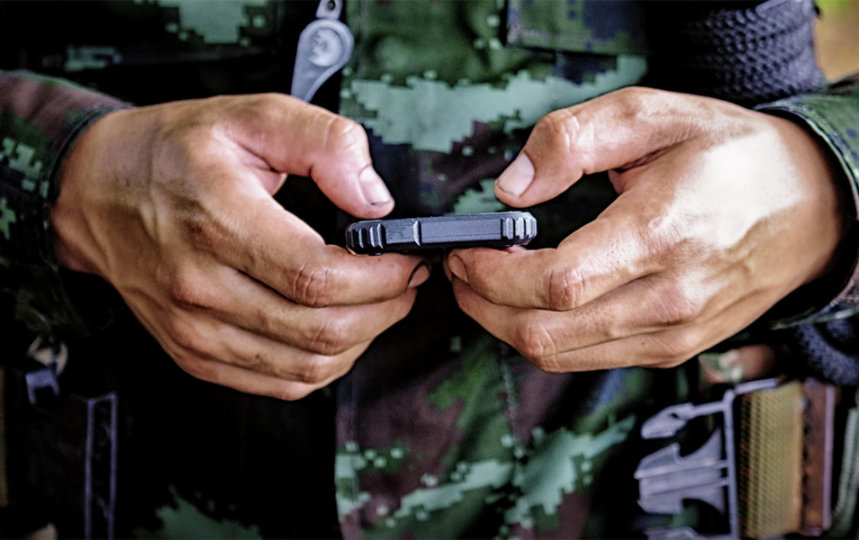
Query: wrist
[(82, 171), (828, 192)]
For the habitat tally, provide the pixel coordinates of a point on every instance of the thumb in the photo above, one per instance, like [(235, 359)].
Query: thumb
[(617, 130), (297, 138)]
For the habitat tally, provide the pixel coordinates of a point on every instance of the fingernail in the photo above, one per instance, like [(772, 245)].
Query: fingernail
[(373, 187), (517, 176), (419, 275), (457, 267)]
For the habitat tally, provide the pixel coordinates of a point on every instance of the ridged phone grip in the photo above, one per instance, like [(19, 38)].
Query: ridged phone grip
[(497, 230)]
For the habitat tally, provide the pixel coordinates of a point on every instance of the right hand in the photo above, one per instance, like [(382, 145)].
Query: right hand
[(172, 205)]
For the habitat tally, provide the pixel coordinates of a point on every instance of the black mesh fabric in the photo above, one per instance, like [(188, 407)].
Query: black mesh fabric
[(827, 350), (740, 52)]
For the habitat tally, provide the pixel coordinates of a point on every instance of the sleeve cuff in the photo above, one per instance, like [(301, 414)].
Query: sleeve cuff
[(833, 116), (40, 118)]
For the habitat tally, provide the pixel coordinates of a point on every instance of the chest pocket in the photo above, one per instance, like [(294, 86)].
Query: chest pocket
[(578, 26)]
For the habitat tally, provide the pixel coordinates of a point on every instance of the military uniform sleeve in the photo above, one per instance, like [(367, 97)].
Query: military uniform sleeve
[(833, 116), (825, 333), (39, 120)]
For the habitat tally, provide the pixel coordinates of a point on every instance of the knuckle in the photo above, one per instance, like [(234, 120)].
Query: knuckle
[(294, 392), (675, 348), (185, 335), (195, 367), (315, 370), (312, 285), (344, 134), (662, 234), (266, 101), (560, 129), (255, 107), (330, 338), (673, 362), (186, 290), (535, 342), (678, 306), (632, 100), (564, 288), (565, 132)]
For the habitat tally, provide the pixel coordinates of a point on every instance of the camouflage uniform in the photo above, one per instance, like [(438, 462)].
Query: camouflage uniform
[(439, 430)]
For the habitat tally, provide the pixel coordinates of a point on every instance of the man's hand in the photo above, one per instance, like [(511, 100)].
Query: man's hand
[(721, 212), (172, 205)]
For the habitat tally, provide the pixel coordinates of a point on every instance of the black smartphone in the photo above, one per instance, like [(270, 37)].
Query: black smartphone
[(497, 230)]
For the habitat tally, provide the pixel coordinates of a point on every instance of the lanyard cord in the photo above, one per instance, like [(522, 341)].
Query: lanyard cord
[(324, 47)]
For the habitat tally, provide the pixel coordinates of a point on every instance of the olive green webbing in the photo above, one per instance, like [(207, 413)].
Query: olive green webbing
[(769, 462)]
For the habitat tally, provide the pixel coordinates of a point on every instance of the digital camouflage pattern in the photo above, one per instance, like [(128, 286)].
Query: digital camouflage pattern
[(483, 449), (440, 430), (38, 122)]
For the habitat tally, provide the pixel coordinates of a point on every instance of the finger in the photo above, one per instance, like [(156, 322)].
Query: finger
[(231, 345), (235, 299), (249, 381), (298, 138), (542, 336), (202, 346), (246, 229), (642, 306), (276, 248), (597, 258), (664, 349), (246, 381), (613, 131), (657, 333)]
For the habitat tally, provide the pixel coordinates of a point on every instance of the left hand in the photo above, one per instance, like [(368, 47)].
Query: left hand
[(172, 205), (722, 211)]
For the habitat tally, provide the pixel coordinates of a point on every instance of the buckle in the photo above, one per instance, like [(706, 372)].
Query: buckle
[(765, 468)]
